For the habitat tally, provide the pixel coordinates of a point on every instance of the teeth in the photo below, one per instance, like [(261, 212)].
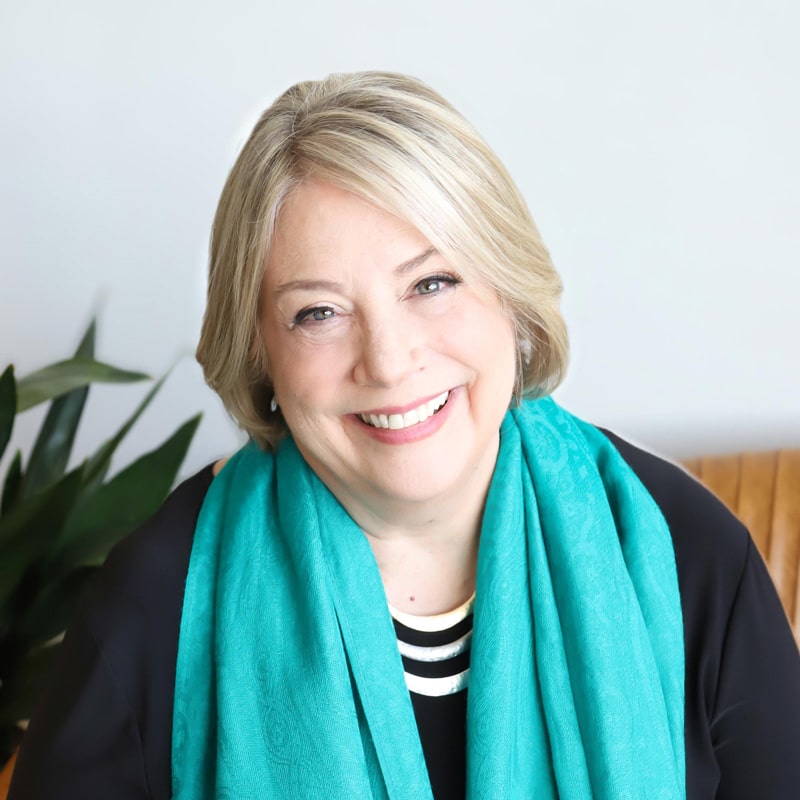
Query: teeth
[(410, 418), (396, 422)]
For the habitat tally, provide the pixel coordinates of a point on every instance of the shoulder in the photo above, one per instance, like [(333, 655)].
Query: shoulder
[(155, 557), (713, 550), (742, 668), (742, 677), (708, 539), (142, 580), (105, 719), (133, 614)]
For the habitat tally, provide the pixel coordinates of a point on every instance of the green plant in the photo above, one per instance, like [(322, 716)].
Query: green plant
[(57, 526)]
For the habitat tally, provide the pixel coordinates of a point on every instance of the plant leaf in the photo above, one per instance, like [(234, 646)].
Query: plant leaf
[(24, 686), (50, 454), (97, 466), (8, 404), (58, 379), (12, 484), (51, 611), (30, 528), (125, 502)]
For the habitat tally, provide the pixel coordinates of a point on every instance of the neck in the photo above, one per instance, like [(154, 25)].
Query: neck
[(426, 551), (427, 577)]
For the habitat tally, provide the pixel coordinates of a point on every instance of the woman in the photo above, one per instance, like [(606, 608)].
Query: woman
[(401, 588)]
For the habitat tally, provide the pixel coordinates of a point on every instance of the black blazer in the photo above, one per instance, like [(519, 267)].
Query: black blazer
[(103, 729)]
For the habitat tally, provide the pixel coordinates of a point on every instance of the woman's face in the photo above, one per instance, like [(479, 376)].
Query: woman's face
[(392, 372)]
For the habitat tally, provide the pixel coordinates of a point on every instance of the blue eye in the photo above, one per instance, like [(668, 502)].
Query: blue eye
[(436, 283), (319, 314)]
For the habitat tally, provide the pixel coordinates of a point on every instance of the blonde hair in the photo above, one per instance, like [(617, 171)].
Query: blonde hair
[(398, 144)]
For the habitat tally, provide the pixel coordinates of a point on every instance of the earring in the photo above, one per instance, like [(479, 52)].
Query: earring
[(526, 350), (273, 404)]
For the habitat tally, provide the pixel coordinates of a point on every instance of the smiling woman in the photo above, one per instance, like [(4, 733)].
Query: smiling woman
[(361, 317), (421, 578), (400, 149)]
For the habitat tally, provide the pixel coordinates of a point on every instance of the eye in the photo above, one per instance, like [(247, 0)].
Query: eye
[(312, 315), (436, 283)]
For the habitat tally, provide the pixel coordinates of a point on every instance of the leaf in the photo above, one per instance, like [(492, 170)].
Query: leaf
[(125, 502), (24, 686), (8, 403), (30, 528), (97, 466), (51, 611), (12, 484), (51, 452), (58, 379)]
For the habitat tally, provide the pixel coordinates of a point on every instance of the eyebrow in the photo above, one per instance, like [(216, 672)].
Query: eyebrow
[(407, 266), (321, 283)]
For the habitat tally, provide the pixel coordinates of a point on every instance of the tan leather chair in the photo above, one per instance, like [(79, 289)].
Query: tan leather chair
[(5, 777), (763, 490)]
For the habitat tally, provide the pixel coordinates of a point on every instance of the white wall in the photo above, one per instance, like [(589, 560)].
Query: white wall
[(656, 143)]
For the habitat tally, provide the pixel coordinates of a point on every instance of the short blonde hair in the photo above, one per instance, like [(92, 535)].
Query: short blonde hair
[(398, 144)]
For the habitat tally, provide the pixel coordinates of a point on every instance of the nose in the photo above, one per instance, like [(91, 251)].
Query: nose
[(389, 351)]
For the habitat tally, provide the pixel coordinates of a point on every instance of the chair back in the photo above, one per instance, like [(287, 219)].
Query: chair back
[(763, 490), (5, 776)]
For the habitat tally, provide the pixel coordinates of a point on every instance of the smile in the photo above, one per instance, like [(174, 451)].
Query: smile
[(414, 416)]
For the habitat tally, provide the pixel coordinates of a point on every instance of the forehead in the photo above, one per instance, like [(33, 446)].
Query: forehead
[(320, 223)]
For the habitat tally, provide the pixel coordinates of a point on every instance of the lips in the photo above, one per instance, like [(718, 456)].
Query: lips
[(409, 418)]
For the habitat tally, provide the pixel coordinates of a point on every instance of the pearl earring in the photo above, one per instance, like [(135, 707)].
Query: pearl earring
[(526, 350), (273, 404)]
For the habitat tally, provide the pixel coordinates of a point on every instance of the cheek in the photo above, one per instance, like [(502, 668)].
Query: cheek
[(305, 373), (499, 375), (500, 352), (490, 336)]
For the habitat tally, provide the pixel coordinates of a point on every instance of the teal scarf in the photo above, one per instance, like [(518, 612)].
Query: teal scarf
[(290, 685)]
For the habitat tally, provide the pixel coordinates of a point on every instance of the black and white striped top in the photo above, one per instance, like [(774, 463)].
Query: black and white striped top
[(436, 652), (435, 649)]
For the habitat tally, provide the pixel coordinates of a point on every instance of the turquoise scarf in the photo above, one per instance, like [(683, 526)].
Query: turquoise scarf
[(289, 682)]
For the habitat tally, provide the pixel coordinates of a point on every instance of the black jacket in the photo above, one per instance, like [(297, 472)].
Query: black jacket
[(103, 729)]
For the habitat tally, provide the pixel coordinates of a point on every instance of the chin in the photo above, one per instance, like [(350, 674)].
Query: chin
[(430, 476)]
